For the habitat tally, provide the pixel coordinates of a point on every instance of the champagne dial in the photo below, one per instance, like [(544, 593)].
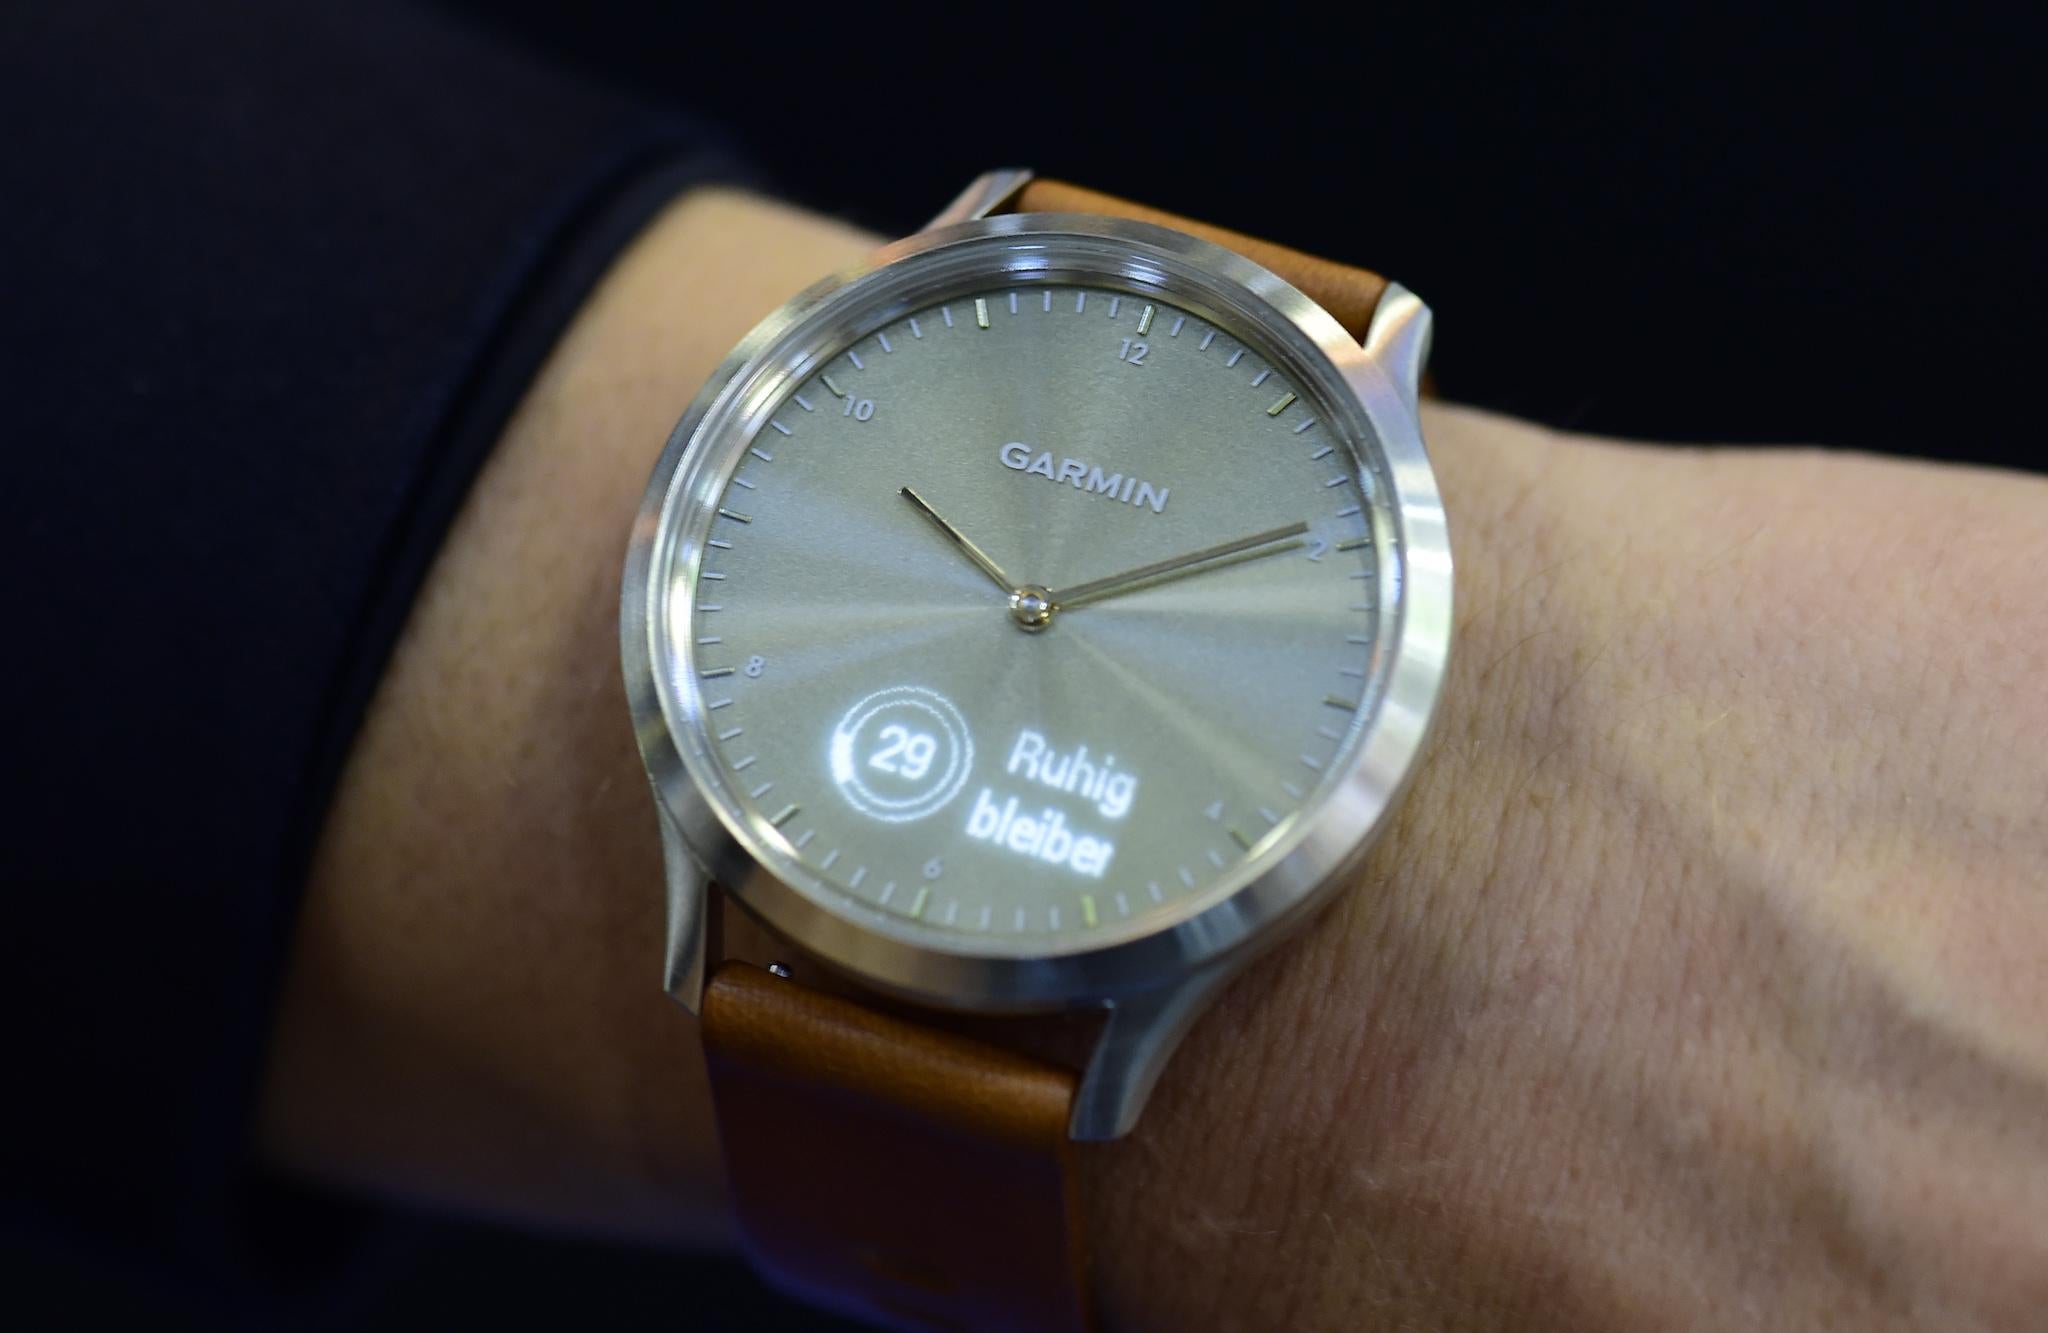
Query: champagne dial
[(1032, 617)]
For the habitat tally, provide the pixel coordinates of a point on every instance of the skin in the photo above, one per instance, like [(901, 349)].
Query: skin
[(1698, 982)]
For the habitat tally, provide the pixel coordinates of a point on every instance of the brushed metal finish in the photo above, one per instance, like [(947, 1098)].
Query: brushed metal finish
[(689, 895), (989, 193), (1140, 1036), (1398, 339)]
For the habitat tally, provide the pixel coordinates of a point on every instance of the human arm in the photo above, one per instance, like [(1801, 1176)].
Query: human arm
[(1620, 1026)]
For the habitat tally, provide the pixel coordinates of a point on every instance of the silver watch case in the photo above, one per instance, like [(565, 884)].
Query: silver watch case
[(1152, 986)]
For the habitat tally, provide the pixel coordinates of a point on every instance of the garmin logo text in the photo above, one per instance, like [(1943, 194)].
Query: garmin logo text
[(1085, 477)]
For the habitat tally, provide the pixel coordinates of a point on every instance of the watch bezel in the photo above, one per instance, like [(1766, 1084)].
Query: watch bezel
[(733, 845)]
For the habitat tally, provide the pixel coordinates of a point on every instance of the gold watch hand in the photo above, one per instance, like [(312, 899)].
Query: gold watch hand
[(1096, 589), (959, 539)]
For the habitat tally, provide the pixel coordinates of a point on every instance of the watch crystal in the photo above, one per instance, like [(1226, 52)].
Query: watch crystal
[(1034, 615)]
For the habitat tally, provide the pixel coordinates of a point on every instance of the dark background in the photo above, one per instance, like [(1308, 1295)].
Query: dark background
[(1815, 223), (1818, 225)]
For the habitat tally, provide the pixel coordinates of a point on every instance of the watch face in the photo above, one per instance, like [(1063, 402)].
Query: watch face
[(1032, 607)]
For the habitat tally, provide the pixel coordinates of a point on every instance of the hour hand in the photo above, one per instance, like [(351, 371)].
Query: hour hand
[(974, 553)]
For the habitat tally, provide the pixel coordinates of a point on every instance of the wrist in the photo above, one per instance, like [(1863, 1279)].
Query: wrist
[(1313, 1116), (1692, 956), (472, 1013)]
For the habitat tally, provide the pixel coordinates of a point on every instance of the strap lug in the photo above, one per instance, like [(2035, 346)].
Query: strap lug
[(1398, 339), (1143, 1031), (689, 893), (990, 193)]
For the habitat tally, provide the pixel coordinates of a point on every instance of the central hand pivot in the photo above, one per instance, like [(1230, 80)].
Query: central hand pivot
[(1031, 607)]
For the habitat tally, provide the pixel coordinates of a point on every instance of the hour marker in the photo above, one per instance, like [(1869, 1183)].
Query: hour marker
[(717, 704), (1356, 673), (1087, 910), (716, 673), (1235, 357), (1281, 406), (1046, 304), (1187, 877), (915, 331), (709, 606), (1013, 303), (728, 735), (1357, 638), (924, 895), (952, 910), (1179, 320), (947, 312), (719, 545), (1052, 916), (743, 483), (1153, 889), (1114, 302), (708, 640), (1291, 790), (787, 813), (1304, 425), (735, 516), (745, 764), (1323, 452), (888, 892), (981, 311), (1347, 513), (1336, 702), (832, 388), (1020, 918), (1364, 606), (763, 456), (858, 876), (803, 402), (1207, 338), (1080, 302), (1361, 574), (1335, 481), (830, 857), (1355, 544), (779, 427), (1123, 904), (1260, 378), (1215, 858), (987, 911), (883, 339), (854, 357), (803, 839), (1145, 321), (762, 790), (1268, 815), (1240, 840)]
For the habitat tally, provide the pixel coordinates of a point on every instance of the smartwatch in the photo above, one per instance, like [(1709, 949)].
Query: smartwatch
[(1023, 630)]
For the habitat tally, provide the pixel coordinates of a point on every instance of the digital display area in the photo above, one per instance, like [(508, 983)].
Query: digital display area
[(903, 754), (1034, 612)]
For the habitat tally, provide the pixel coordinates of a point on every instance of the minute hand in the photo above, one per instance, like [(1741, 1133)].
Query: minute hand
[(1096, 589)]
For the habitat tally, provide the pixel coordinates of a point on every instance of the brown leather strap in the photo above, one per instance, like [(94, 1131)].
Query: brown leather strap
[(894, 1171), (890, 1170), (1351, 294)]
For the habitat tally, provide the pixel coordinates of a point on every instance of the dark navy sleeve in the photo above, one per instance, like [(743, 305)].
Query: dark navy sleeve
[(271, 279)]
